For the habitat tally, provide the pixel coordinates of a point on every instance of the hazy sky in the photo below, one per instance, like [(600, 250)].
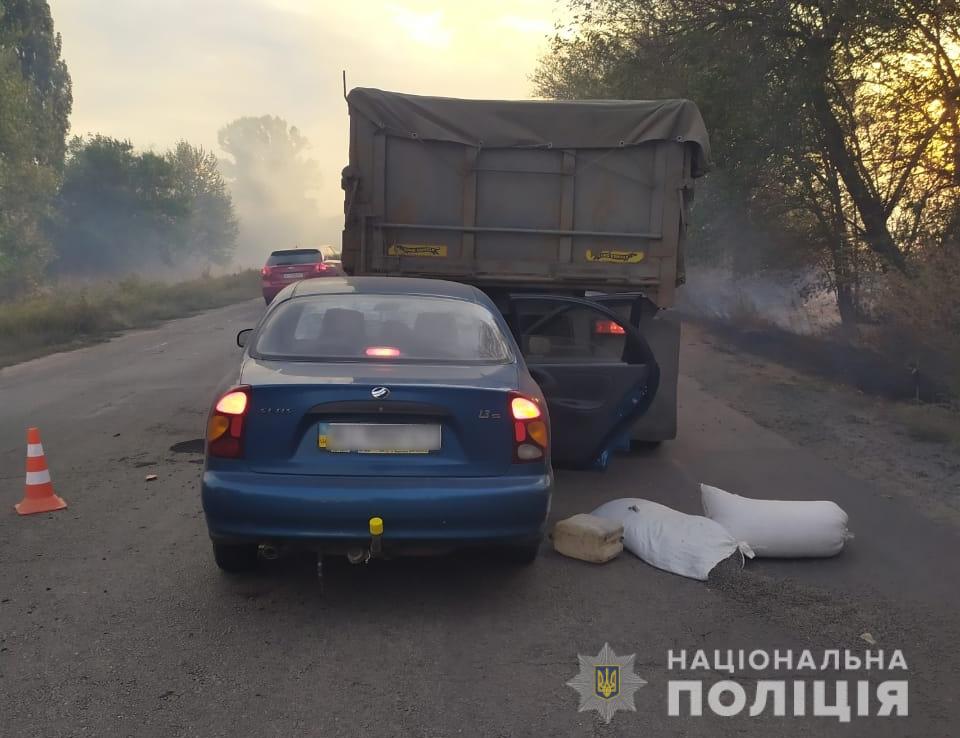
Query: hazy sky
[(155, 71)]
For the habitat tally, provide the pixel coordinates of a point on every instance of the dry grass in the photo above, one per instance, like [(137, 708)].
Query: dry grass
[(69, 317), (929, 423)]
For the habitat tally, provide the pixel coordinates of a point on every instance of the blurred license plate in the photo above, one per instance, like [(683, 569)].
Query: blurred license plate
[(293, 275), (379, 438)]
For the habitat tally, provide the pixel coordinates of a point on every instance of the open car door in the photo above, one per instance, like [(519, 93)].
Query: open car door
[(596, 372), (661, 330)]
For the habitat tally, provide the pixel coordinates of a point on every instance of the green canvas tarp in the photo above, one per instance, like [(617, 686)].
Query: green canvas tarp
[(557, 124)]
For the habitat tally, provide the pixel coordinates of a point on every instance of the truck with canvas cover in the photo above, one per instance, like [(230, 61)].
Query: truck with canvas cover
[(572, 198)]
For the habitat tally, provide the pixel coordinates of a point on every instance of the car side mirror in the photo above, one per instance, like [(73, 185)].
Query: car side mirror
[(244, 336)]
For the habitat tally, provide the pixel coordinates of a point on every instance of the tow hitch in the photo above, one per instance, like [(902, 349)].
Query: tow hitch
[(359, 556), (376, 533)]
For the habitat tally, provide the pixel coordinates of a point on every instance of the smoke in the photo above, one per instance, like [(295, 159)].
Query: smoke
[(274, 185), (794, 302), (745, 267), (280, 221)]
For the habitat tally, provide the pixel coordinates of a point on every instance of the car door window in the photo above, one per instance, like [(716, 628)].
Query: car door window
[(630, 307), (566, 332), (596, 372)]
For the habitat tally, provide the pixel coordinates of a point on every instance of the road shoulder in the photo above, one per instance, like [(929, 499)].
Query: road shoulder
[(859, 433)]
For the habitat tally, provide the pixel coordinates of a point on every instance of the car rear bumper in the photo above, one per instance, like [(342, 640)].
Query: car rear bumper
[(335, 511)]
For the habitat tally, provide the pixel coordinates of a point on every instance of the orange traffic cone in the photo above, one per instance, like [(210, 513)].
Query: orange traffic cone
[(38, 494)]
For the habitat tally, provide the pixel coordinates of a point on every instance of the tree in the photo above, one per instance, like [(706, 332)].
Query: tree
[(271, 181), (118, 210), (26, 188), (121, 210), (26, 29), (209, 232), (34, 108), (836, 121)]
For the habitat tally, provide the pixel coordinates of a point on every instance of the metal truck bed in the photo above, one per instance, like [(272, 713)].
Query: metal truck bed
[(549, 194)]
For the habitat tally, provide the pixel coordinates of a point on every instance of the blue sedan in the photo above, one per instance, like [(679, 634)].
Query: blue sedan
[(388, 416)]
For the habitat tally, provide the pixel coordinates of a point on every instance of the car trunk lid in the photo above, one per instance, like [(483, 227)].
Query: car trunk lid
[(299, 409)]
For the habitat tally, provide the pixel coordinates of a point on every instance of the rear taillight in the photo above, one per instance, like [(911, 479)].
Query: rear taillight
[(530, 436), (226, 425), (321, 267), (265, 272), (608, 328)]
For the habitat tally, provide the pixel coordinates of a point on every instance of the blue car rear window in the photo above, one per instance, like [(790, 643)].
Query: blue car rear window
[(382, 328)]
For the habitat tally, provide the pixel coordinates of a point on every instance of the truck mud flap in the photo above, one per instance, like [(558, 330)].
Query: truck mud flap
[(659, 423)]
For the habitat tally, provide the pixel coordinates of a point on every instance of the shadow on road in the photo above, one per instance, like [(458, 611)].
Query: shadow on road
[(471, 579)]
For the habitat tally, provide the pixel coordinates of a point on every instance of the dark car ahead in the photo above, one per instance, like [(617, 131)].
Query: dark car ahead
[(291, 265), (407, 406)]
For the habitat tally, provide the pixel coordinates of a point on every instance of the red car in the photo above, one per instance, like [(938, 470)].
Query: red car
[(286, 267)]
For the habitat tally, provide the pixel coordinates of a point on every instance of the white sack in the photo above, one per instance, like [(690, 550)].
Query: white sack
[(689, 545), (779, 528)]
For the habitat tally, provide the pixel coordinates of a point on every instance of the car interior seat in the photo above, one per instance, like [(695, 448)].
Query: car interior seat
[(343, 332), (438, 334)]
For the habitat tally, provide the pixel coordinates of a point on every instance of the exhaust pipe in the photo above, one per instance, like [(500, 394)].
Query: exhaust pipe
[(270, 553), (358, 556)]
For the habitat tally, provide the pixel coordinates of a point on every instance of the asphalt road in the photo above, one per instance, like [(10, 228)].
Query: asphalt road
[(114, 620)]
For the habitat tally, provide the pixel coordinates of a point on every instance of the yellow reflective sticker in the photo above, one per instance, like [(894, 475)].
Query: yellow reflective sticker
[(616, 257), (410, 249), (322, 441)]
